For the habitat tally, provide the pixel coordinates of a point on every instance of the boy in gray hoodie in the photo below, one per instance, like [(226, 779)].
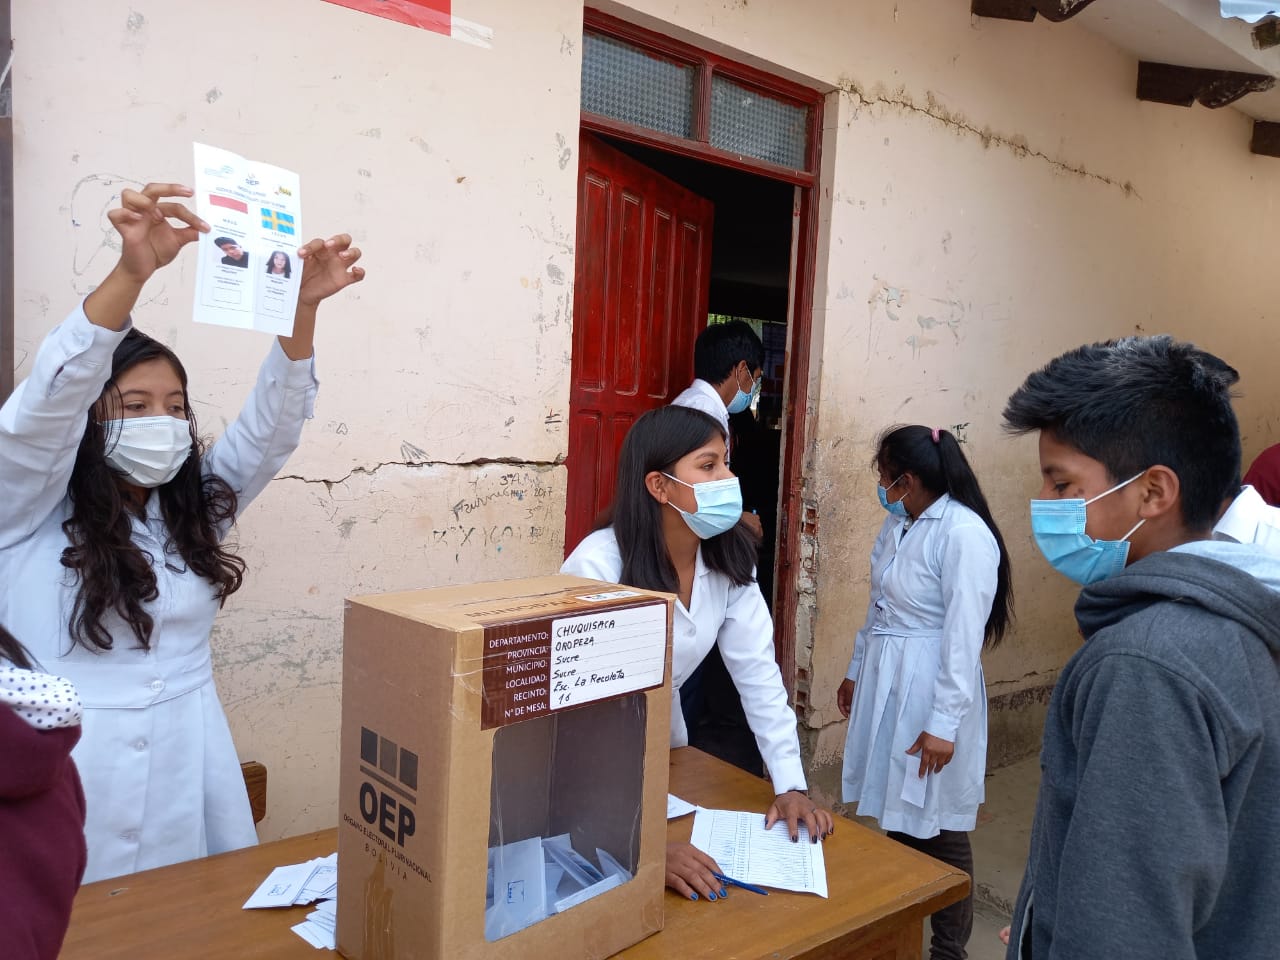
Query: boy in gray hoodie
[(1157, 827)]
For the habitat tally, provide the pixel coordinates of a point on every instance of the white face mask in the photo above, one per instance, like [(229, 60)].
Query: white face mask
[(149, 451)]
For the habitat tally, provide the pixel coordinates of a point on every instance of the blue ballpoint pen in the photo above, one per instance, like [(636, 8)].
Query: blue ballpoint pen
[(738, 883)]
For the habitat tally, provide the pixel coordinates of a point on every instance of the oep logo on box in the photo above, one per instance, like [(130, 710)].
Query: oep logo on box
[(393, 771)]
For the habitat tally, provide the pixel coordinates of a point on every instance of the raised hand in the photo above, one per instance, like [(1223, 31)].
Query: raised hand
[(148, 240), (327, 267)]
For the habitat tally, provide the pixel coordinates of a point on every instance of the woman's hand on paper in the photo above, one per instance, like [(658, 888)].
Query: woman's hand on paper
[(691, 873), (935, 753), (796, 808)]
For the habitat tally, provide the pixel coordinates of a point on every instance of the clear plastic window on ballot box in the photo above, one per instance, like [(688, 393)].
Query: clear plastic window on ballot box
[(564, 820)]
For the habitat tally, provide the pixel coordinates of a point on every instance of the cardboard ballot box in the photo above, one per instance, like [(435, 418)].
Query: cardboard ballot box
[(504, 771)]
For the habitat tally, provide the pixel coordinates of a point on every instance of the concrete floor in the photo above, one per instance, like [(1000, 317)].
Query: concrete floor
[(1000, 845), (985, 943)]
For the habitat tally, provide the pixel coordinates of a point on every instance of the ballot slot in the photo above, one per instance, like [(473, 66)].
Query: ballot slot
[(565, 811)]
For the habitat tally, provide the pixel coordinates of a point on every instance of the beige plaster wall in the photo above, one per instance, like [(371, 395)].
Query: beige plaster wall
[(454, 166), (992, 194)]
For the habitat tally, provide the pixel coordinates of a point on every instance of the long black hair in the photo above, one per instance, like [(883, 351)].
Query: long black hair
[(13, 651), (941, 467), (656, 442), (114, 574)]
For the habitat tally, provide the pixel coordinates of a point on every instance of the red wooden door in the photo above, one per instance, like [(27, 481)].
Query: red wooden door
[(640, 299)]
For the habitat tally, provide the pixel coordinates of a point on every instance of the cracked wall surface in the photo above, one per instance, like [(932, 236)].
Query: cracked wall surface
[(278, 644), (441, 418), (991, 195)]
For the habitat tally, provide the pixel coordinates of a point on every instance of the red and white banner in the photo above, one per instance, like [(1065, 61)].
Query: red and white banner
[(434, 15)]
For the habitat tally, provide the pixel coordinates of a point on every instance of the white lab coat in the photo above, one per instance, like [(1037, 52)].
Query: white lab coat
[(917, 666), (737, 620), (701, 395), (161, 777), (1250, 519)]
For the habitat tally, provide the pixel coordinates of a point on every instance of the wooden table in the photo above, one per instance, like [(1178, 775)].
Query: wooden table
[(880, 893)]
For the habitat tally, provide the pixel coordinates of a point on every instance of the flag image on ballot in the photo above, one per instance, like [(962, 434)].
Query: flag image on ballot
[(277, 221)]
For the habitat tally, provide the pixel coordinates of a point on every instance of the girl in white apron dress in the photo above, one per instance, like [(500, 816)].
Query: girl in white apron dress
[(916, 750)]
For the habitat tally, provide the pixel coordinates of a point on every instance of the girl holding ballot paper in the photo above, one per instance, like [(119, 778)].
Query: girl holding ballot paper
[(112, 556), (676, 528), (916, 751)]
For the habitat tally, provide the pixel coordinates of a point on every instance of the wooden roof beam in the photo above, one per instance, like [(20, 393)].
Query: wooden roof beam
[(1266, 139), (1184, 86), (1026, 10)]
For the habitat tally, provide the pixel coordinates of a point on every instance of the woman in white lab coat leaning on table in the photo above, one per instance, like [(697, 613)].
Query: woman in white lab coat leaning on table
[(112, 556), (675, 527), (915, 755)]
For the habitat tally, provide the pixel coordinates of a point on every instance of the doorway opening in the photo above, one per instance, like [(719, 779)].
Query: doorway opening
[(751, 242), (750, 280), (696, 204)]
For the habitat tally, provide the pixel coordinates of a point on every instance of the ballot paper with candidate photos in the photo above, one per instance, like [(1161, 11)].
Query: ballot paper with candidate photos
[(247, 268)]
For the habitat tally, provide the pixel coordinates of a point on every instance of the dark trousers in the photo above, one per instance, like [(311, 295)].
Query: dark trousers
[(951, 925)]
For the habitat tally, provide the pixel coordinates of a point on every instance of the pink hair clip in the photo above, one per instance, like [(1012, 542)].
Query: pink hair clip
[(936, 433)]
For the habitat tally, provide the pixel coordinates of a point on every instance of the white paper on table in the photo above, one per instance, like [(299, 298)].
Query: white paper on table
[(256, 210), (326, 920), (677, 807), (282, 886), (519, 888), (323, 877), (746, 851), (913, 786), (582, 896), (316, 935)]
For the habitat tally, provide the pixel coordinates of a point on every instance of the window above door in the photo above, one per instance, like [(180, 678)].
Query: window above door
[(647, 87)]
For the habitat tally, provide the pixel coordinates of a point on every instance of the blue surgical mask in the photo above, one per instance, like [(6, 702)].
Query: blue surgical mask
[(719, 506), (895, 507), (741, 400), (1058, 526)]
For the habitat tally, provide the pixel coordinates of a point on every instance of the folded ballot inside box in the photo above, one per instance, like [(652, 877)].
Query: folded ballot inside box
[(504, 770)]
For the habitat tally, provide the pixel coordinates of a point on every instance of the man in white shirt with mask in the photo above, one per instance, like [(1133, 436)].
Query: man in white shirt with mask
[(1250, 519), (728, 366)]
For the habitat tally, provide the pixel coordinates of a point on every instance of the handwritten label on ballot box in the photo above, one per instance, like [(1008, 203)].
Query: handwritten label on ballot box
[(533, 667), (599, 655)]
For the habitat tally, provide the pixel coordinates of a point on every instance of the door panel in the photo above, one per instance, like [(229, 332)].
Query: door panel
[(640, 298)]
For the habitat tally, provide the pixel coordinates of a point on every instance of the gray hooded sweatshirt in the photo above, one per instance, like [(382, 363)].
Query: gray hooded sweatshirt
[(1157, 827)]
